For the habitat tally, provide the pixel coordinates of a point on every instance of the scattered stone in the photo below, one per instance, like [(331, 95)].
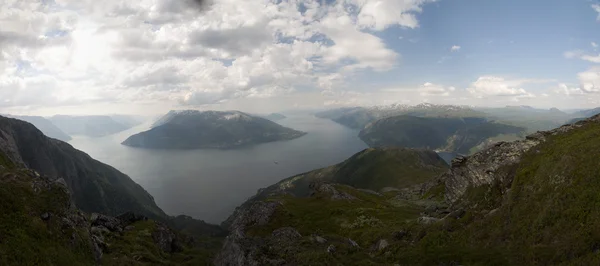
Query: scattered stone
[(331, 249), (110, 223), (129, 228), (427, 220), (319, 239), (46, 216), (353, 243), (492, 212), (381, 245)]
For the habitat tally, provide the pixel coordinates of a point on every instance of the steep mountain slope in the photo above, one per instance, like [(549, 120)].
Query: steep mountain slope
[(96, 187), (45, 126), (40, 226), (210, 129), (359, 117), (294, 221), (528, 202), (92, 126), (459, 135)]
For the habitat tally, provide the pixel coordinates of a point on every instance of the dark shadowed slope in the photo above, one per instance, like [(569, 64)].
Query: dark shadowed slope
[(210, 129), (96, 187)]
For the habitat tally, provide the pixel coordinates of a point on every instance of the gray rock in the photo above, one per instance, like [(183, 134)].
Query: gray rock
[(129, 228), (319, 239), (353, 243), (427, 220), (110, 223), (46, 216), (165, 239), (381, 245), (331, 249), (482, 168), (237, 249)]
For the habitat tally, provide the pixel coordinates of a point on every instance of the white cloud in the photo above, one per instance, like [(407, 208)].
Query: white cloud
[(430, 89), (597, 8), (583, 56), (567, 90), (381, 14), (497, 86), (455, 48), (594, 44), (590, 80), (163, 50)]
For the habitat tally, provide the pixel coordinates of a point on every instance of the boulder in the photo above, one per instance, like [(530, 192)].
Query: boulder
[(331, 249), (427, 220), (381, 245), (319, 239), (108, 222)]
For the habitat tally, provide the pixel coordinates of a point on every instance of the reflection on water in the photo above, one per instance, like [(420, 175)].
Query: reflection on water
[(209, 184)]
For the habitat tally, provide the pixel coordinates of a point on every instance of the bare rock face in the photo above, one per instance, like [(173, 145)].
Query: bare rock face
[(238, 249), (483, 167)]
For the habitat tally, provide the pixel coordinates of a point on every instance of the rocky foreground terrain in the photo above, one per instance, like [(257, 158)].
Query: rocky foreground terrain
[(527, 202)]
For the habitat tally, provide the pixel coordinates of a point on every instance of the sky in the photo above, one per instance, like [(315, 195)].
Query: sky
[(151, 56)]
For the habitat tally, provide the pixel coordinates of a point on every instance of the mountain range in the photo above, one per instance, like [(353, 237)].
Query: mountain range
[(525, 202), (455, 135)]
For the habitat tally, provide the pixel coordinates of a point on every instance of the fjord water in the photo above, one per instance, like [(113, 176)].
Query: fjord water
[(208, 184)]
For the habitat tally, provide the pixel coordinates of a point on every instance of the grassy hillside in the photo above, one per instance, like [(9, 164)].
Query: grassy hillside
[(541, 210)]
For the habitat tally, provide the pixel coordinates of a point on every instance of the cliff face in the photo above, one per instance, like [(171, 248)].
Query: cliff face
[(496, 164), (96, 187)]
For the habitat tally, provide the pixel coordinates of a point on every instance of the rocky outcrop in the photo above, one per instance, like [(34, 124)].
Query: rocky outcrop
[(491, 165), (238, 249)]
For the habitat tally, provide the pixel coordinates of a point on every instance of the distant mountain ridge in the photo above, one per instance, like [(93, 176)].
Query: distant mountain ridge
[(359, 117), (92, 126), (456, 135), (192, 129)]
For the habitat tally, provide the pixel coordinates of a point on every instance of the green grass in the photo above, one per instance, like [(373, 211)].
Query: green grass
[(25, 239), (390, 167), (365, 220), (551, 216)]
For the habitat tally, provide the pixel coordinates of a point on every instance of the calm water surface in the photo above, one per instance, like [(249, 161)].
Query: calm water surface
[(209, 184)]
